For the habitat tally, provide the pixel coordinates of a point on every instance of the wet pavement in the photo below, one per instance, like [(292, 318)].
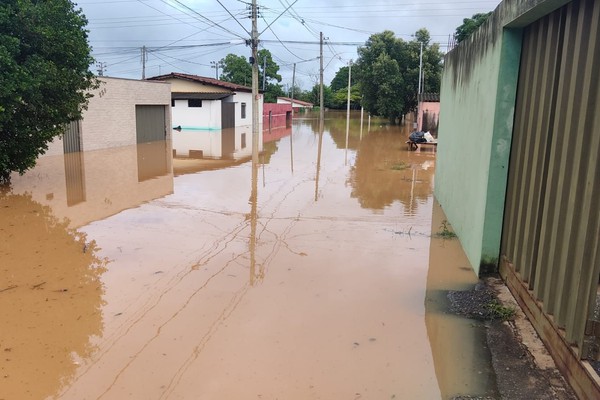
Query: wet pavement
[(312, 275)]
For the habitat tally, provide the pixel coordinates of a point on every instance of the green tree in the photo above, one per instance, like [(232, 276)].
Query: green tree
[(340, 80), (469, 25), (387, 72), (314, 96), (237, 69), (339, 98), (44, 77)]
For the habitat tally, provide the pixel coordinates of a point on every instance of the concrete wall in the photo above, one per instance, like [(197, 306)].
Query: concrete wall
[(206, 117), (478, 93), (246, 98), (109, 120), (432, 108), (276, 114)]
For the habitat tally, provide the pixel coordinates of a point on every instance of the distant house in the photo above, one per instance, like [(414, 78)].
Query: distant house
[(297, 105), (213, 118), (429, 112), (201, 103)]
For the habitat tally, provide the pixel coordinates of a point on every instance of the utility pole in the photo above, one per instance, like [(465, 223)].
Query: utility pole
[(348, 111), (293, 84), (264, 72), (216, 65), (419, 90), (143, 62), (254, 44), (101, 68), (321, 106)]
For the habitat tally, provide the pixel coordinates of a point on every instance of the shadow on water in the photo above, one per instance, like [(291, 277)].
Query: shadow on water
[(462, 360), (50, 298)]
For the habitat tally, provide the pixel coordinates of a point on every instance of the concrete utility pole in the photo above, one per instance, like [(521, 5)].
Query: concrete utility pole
[(254, 44), (293, 84), (216, 65), (321, 105), (101, 68), (419, 90), (348, 111), (264, 73), (143, 62)]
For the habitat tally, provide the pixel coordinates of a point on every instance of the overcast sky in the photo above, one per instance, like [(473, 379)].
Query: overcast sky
[(187, 35)]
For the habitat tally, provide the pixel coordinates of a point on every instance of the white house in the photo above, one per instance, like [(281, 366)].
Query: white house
[(211, 118), (201, 103)]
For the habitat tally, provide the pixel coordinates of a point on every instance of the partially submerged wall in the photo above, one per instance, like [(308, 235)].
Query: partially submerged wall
[(110, 119), (477, 108)]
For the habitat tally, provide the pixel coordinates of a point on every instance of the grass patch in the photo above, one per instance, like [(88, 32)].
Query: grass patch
[(399, 166), (445, 232), (499, 311)]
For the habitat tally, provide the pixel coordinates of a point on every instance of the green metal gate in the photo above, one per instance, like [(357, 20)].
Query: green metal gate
[(552, 217)]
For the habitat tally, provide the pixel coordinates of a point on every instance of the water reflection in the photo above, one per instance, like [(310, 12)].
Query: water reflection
[(50, 298), (153, 160), (86, 187), (460, 355), (222, 144), (253, 221)]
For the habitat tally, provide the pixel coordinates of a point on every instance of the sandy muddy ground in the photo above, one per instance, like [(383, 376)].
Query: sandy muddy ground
[(312, 275)]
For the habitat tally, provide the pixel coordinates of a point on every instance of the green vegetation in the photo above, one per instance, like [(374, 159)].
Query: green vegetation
[(44, 77), (445, 232), (387, 72), (237, 69), (470, 25), (399, 166), (500, 311)]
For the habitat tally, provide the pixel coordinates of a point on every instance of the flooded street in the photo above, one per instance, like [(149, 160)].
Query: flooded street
[(313, 275)]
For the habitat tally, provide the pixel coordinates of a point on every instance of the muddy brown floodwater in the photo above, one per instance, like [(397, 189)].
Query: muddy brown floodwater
[(312, 275)]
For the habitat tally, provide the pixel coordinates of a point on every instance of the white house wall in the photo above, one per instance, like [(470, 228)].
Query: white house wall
[(110, 120), (242, 97), (201, 118)]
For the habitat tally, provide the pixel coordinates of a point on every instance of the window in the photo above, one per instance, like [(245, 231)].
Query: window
[(243, 140), (243, 110), (194, 103), (172, 103)]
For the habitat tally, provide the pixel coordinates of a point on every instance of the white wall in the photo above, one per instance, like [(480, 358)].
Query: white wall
[(201, 118)]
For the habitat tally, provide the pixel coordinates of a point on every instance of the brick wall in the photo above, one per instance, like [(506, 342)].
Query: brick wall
[(109, 120)]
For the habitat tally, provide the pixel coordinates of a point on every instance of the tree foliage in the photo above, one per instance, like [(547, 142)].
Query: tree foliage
[(469, 25), (44, 77), (339, 89), (237, 69), (387, 72)]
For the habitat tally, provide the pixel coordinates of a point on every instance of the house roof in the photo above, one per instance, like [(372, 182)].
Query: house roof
[(204, 80), (303, 103), (201, 96), (430, 97)]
